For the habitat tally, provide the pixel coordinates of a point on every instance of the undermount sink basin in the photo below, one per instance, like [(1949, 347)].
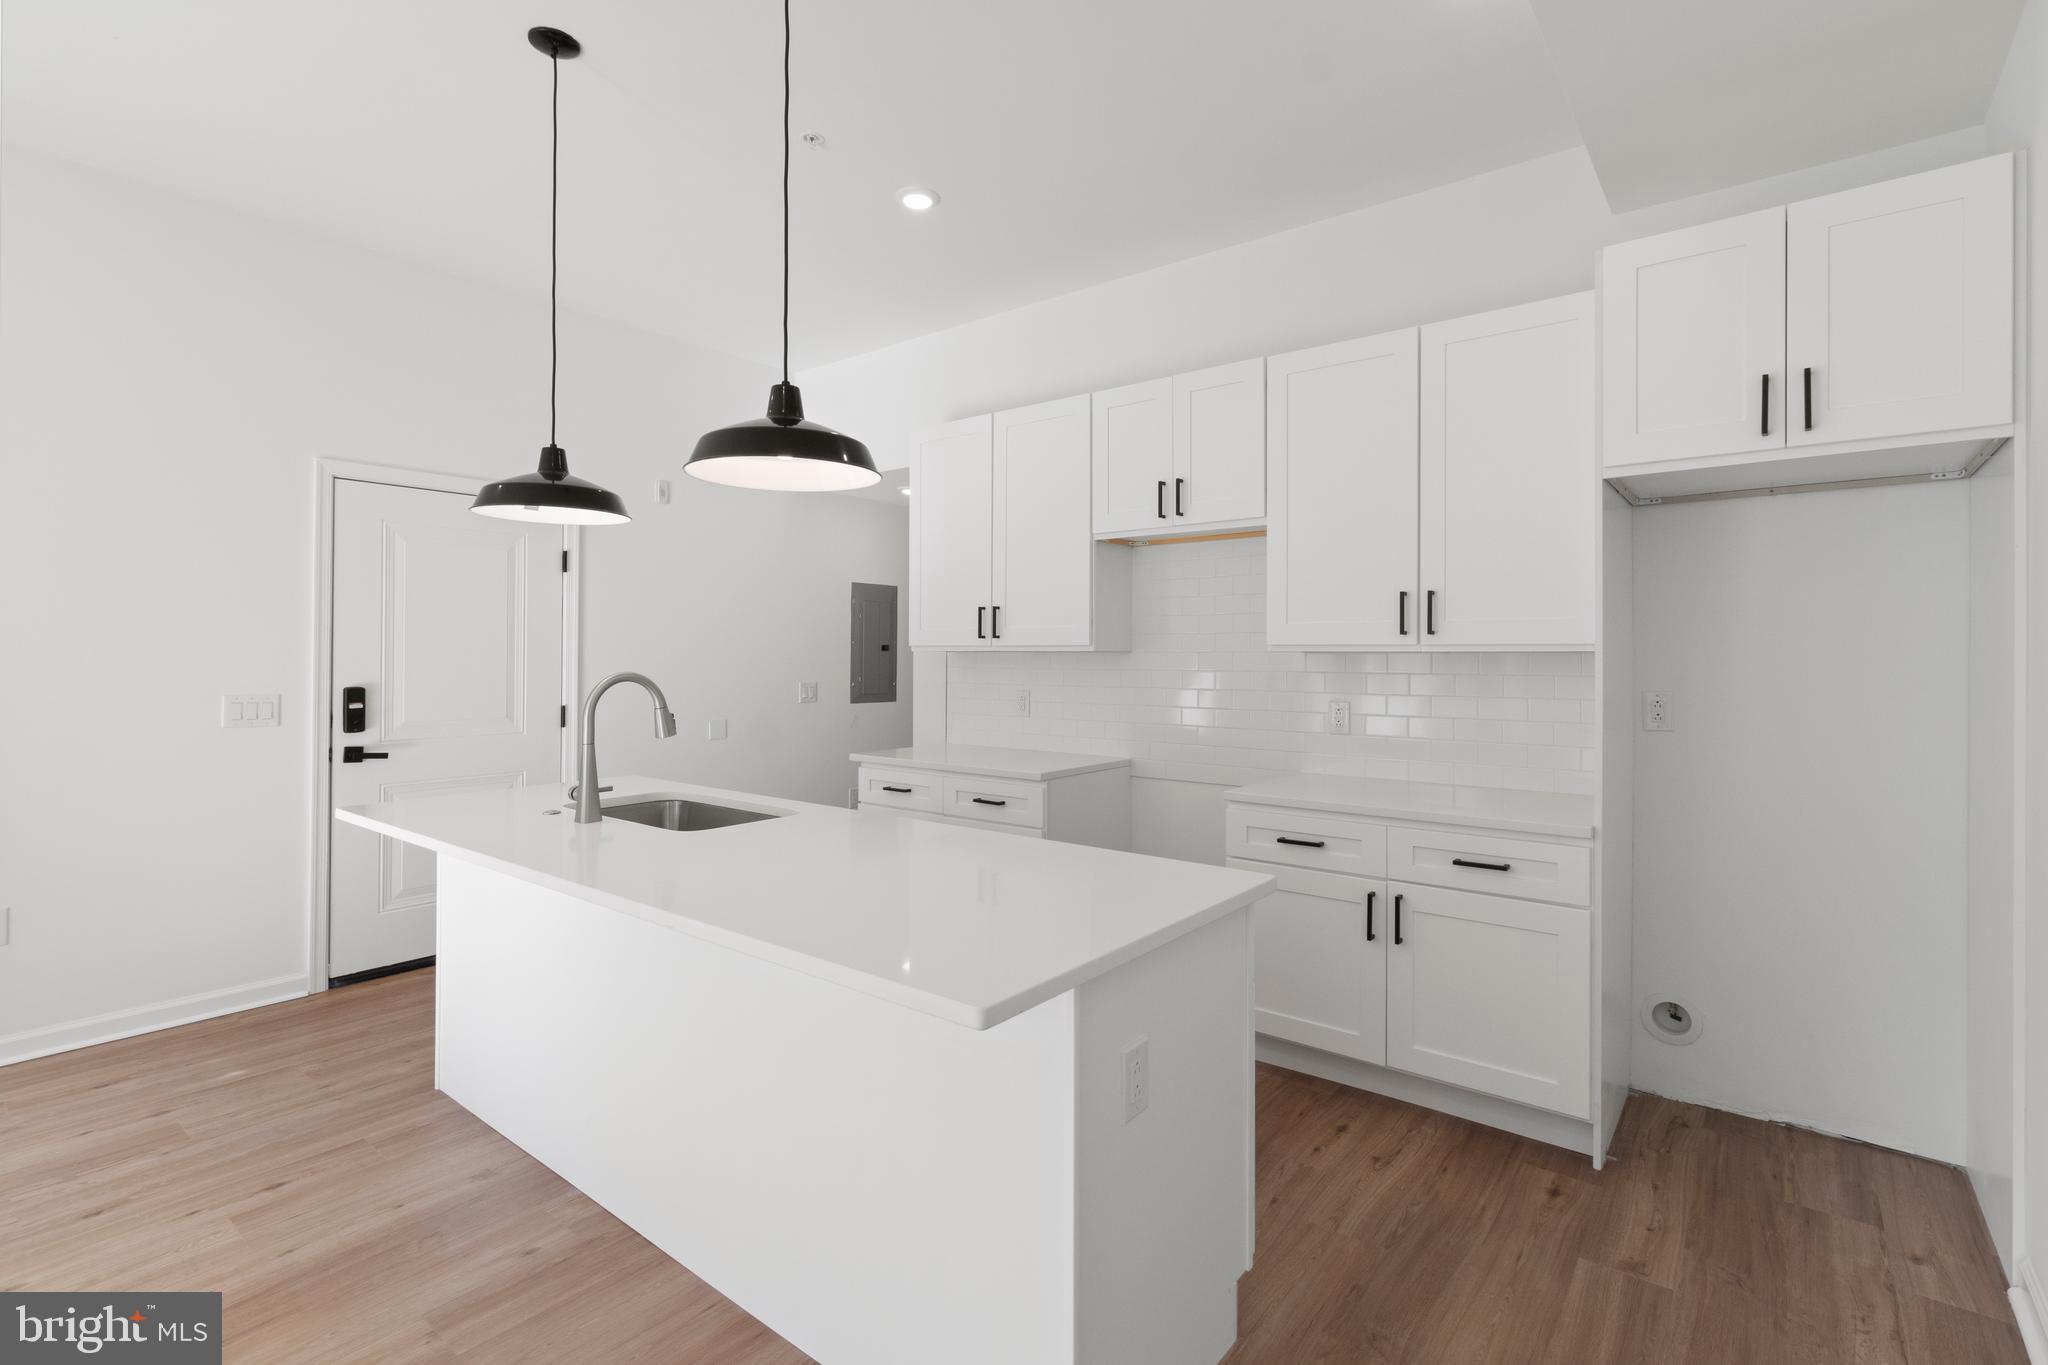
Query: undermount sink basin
[(671, 812)]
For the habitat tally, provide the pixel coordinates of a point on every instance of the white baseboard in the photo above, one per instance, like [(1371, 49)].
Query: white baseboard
[(106, 1028), (2030, 1308), (1574, 1135)]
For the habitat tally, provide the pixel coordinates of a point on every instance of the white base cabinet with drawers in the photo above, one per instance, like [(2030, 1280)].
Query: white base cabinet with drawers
[(1072, 798), (1458, 956)]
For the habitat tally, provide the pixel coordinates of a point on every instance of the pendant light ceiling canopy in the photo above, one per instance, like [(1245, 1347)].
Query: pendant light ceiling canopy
[(551, 493), (783, 451)]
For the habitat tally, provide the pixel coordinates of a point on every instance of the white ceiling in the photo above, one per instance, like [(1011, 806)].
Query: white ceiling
[(1074, 141), (1676, 99)]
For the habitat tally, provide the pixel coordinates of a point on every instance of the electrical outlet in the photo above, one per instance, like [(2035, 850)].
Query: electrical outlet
[(1137, 1078), (1023, 701), (1656, 710), (714, 729), (852, 798), (661, 490), (1340, 716), (806, 693)]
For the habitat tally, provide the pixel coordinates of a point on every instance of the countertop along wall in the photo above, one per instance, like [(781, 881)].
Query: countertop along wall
[(168, 373)]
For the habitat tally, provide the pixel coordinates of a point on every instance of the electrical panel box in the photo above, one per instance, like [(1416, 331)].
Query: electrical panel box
[(873, 671)]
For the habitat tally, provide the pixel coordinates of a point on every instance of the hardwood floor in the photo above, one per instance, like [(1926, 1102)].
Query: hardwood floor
[(298, 1159)]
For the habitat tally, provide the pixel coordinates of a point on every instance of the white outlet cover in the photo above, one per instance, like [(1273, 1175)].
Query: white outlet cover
[(1023, 701), (1656, 710), (1137, 1078), (1340, 717)]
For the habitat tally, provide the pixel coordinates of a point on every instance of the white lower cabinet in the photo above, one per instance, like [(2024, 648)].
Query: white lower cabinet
[(1320, 945), (1491, 994), (1082, 808)]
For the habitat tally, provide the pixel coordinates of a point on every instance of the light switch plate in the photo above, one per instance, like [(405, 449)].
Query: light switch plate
[(806, 693), (1137, 1078), (714, 729), (248, 710), (1023, 701)]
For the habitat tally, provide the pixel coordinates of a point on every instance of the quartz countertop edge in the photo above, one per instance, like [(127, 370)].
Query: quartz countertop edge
[(508, 832), (1559, 815), (974, 760)]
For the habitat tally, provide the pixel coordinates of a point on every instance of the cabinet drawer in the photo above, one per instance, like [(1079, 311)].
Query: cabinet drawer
[(992, 800), (900, 789), (1327, 843), (1476, 861)]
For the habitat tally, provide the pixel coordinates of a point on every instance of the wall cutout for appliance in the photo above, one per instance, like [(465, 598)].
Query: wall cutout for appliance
[(1668, 1021)]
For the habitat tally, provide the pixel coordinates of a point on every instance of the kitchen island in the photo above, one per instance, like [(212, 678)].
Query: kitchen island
[(905, 1092)]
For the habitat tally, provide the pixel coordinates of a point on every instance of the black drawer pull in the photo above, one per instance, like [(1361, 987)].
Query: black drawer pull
[(1470, 862), (989, 801), (1370, 897), (904, 790), (1298, 843), (1397, 919)]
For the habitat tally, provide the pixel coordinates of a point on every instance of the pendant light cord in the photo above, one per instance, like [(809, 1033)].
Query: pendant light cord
[(785, 191), (554, 227)]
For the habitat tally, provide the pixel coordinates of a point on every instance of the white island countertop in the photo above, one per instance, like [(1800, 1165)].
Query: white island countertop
[(1555, 813), (969, 926), (1022, 765)]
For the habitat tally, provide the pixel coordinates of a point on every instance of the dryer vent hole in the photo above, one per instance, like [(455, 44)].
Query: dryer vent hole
[(1671, 1022)]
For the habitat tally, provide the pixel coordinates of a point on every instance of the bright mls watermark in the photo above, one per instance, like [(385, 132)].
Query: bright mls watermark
[(167, 1328)]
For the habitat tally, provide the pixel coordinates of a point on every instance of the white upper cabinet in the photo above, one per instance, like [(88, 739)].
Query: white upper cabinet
[(1509, 477), (1865, 334), (1219, 444), (1900, 305), (1693, 332), (1044, 557), (1134, 458), (1341, 475), (952, 523), (1181, 454), (1002, 555)]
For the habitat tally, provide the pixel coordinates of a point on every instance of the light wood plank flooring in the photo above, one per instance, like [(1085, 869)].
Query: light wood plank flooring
[(299, 1159)]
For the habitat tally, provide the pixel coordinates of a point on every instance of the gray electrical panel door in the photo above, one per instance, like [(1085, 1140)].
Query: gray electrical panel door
[(874, 642)]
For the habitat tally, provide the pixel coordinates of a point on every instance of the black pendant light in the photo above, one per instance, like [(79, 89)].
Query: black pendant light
[(782, 450), (551, 493)]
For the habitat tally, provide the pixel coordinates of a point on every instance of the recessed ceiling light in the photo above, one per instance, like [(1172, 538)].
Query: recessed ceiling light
[(918, 199)]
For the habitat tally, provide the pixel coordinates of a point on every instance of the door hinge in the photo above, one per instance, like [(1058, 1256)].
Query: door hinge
[(565, 561), (565, 715)]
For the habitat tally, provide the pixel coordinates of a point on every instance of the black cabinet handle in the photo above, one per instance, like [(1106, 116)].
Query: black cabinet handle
[(1298, 843), (1397, 919), (1429, 612), (1767, 408), (1404, 613), (356, 753), (1179, 485), (1472, 862), (1809, 397), (1161, 504), (1370, 897), (981, 623), (896, 789), (995, 623), (989, 801)]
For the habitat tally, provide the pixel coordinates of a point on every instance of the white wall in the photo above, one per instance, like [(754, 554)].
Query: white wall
[(2019, 118), (168, 373), (1988, 1126), (1800, 832)]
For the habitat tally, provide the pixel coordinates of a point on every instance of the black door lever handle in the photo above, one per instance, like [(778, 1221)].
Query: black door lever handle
[(356, 753)]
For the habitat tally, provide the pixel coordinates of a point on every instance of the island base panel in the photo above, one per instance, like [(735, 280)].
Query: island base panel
[(873, 1183)]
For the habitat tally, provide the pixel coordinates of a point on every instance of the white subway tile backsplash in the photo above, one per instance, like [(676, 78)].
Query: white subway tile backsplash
[(1199, 698)]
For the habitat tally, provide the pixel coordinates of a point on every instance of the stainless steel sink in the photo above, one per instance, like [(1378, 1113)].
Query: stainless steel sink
[(671, 812)]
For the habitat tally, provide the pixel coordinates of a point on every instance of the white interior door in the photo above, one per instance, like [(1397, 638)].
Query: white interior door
[(1044, 542), (1134, 458), (952, 509), (1693, 339), (1319, 949), (1492, 994), (1340, 494), (451, 623), (1900, 302), (1219, 443), (1509, 476)]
